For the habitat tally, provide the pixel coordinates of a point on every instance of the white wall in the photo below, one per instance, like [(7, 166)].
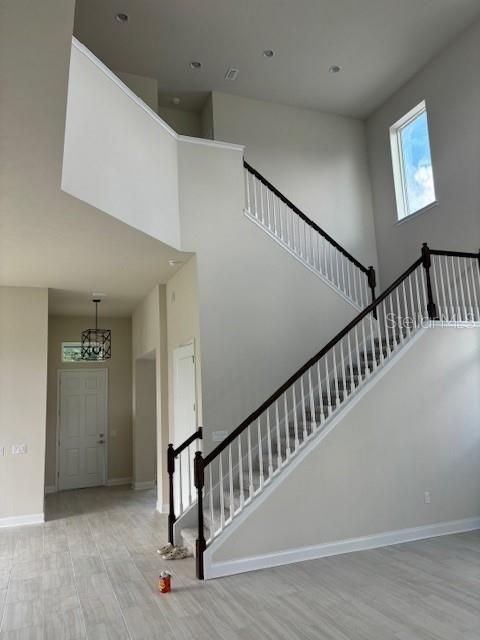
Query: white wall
[(183, 326), (23, 398), (149, 336), (145, 423), (262, 314), (318, 160), (185, 123), (450, 84), (369, 475), (119, 156)]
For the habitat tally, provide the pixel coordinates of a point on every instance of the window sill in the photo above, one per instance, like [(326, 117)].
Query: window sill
[(418, 213)]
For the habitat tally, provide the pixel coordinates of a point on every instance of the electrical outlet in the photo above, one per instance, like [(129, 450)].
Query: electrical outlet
[(19, 449), (426, 497), (218, 436)]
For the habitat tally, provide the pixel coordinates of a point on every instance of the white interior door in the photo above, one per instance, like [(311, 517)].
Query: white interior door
[(185, 417), (82, 428)]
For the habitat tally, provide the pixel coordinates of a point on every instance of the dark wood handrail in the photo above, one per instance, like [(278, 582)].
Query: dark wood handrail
[(454, 254), (195, 435), (258, 412), (304, 217)]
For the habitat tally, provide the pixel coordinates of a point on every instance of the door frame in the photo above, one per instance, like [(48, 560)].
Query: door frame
[(189, 343), (57, 430)]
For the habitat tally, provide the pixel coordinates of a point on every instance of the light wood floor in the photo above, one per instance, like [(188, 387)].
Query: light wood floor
[(91, 572)]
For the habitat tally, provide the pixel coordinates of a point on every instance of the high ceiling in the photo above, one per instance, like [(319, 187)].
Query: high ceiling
[(82, 252), (378, 43)]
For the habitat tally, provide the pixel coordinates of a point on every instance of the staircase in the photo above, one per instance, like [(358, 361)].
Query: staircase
[(308, 243), (293, 435), (438, 286)]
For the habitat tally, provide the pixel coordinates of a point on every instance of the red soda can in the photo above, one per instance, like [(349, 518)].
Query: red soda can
[(164, 582)]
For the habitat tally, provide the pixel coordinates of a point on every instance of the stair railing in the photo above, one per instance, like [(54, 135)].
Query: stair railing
[(284, 423), (183, 497), (305, 240)]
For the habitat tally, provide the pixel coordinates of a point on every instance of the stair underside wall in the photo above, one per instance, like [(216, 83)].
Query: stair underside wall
[(416, 429)]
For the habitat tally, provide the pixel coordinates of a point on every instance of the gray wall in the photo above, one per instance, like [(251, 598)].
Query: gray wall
[(262, 313), (450, 84), (370, 473)]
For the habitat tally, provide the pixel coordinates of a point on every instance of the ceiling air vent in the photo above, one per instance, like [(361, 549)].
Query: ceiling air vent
[(231, 74)]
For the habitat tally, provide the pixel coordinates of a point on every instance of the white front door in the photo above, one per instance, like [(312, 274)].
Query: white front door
[(82, 428), (184, 416)]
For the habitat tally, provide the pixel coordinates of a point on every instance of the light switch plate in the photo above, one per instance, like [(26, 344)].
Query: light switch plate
[(19, 449)]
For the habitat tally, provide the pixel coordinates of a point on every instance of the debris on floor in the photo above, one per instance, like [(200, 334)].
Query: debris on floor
[(165, 582)]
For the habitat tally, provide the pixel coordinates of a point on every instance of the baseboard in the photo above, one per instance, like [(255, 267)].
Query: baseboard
[(50, 488), (163, 508), (374, 541), (148, 484), (21, 521), (115, 482)]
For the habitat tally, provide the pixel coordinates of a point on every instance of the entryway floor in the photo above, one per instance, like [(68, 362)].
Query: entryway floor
[(91, 572)]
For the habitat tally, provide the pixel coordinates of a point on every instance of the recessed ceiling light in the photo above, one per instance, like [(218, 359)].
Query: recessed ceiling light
[(173, 263), (269, 53), (121, 17), (195, 64), (176, 100), (334, 68)]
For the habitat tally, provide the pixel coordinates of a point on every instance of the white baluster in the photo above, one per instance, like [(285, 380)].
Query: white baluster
[(463, 306), (295, 416), (250, 463), (442, 284), (335, 377), (312, 402), (372, 340), (400, 315), (180, 477), (320, 392), (327, 382), (247, 189), (467, 284), (387, 334), (365, 351), (212, 517), (222, 489), (230, 482), (279, 442), (269, 446), (240, 472), (189, 473), (260, 455), (304, 416), (353, 384), (475, 270), (342, 358), (455, 288), (287, 426)]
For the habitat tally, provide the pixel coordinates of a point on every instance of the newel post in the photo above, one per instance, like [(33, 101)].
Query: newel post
[(199, 481), (171, 471), (427, 263), (372, 283)]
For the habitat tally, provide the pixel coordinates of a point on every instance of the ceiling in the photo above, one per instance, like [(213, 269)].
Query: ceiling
[(378, 43), (81, 251)]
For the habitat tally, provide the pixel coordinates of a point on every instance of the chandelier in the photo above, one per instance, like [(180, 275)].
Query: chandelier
[(96, 343)]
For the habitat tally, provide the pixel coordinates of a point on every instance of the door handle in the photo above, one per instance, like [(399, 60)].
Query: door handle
[(101, 442)]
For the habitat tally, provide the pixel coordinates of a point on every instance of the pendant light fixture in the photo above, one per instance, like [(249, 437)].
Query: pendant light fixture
[(96, 343)]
